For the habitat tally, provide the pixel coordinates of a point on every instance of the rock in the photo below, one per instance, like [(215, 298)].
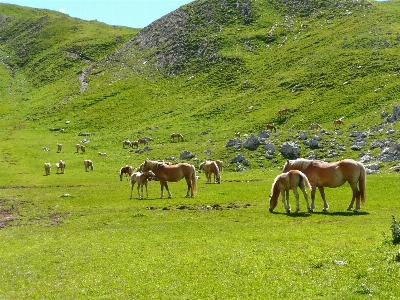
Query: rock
[(290, 150), (186, 155)]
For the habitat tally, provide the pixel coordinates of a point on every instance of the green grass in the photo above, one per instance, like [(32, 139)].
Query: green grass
[(77, 235)]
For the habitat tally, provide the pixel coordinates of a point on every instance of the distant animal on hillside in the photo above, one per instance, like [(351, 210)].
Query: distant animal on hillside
[(285, 182), (315, 126), (338, 122), (61, 166), (141, 178), (88, 164), (102, 154), (173, 173), (134, 143), (126, 143), (78, 147), (47, 168), (176, 135), (59, 148), (323, 174), (271, 126), (237, 134), (45, 149), (143, 141), (83, 148), (127, 170), (211, 167), (283, 112)]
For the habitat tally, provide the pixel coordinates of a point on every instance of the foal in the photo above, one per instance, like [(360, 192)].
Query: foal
[(289, 181), (141, 178)]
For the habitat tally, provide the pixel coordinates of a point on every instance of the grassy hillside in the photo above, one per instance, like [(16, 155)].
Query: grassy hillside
[(215, 67)]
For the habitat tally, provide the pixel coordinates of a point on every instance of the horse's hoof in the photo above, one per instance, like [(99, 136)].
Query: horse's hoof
[(288, 211), (325, 210), (310, 210), (271, 210)]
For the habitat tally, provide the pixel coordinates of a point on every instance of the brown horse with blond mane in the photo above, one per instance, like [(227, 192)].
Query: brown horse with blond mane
[(324, 174), (125, 170), (176, 135), (285, 182), (211, 167), (172, 173)]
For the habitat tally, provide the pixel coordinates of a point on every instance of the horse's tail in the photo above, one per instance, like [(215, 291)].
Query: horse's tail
[(362, 181), (307, 183), (194, 180)]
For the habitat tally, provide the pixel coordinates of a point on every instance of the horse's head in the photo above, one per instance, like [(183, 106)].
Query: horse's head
[(286, 166), (273, 202)]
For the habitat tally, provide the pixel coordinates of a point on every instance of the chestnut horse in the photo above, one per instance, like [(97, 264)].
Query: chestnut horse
[(125, 170), (323, 174), (338, 122), (315, 126), (285, 182), (218, 162), (172, 173), (211, 167), (176, 135), (271, 126), (141, 179), (283, 112)]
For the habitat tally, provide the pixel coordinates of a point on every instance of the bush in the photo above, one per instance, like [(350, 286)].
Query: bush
[(395, 228)]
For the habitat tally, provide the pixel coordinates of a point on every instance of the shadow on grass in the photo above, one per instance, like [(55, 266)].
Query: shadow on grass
[(336, 213)]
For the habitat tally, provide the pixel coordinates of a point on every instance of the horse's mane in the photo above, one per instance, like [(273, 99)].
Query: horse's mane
[(274, 184), (301, 163)]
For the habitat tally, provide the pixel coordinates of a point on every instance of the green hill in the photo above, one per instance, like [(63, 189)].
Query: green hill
[(206, 70)]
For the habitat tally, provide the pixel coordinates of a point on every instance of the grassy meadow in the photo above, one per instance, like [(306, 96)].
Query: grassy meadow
[(227, 68)]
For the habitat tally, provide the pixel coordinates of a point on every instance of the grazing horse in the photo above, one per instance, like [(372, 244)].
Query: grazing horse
[(315, 126), (88, 163), (59, 147), (102, 154), (125, 170), (172, 173), (83, 148), (285, 182), (237, 134), (141, 178), (218, 162), (143, 141), (176, 135), (283, 112), (323, 174), (126, 143), (338, 122), (47, 168), (61, 166), (45, 149), (134, 143), (211, 167), (271, 126)]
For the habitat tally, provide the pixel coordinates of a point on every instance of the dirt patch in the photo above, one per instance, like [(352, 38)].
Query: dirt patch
[(7, 214), (202, 207)]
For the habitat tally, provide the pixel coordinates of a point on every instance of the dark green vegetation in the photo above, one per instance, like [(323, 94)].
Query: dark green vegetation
[(212, 66)]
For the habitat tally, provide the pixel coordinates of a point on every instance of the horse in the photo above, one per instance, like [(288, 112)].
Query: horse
[(125, 170), (211, 167), (126, 143), (176, 135), (271, 126), (78, 147), (134, 143), (83, 148), (172, 173), (59, 148), (61, 166), (47, 168), (143, 141), (45, 149), (315, 126), (141, 178), (237, 134), (283, 112), (88, 163), (324, 174), (285, 182), (102, 154), (218, 162), (338, 122)]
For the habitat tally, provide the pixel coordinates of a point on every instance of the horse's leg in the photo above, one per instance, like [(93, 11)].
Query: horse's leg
[(147, 193), (283, 199), (313, 190), (132, 189), (296, 194), (322, 192), (356, 197), (138, 190), (306, 197)]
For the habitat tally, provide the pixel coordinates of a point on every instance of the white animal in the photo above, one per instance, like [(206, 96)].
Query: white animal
[(47, 168), (141, 178), (88, 163), (61, 165)]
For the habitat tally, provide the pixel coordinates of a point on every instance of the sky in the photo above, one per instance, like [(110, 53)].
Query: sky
[(130, 13)]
